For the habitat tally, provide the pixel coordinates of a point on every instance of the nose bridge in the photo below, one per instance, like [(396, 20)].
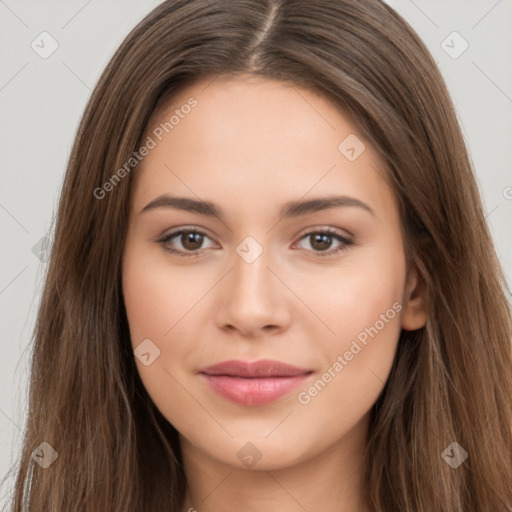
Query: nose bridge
[(251, 277), (251, 295)]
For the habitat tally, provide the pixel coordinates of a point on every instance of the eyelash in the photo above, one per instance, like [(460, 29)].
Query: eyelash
[(345, 242)]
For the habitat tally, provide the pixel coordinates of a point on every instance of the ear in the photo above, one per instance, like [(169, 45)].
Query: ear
[(415, 310)]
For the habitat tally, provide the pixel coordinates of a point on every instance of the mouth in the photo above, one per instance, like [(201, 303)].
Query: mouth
[(255, 383)]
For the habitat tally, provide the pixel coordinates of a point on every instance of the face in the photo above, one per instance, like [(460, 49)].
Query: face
[(254, 264)]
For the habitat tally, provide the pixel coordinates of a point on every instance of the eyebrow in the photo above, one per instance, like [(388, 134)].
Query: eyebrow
[(288, 210)]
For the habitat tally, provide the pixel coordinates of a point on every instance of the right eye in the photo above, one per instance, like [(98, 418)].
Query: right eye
[(190, 240)]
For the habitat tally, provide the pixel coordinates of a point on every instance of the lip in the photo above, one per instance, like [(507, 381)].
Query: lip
[(253, 383)]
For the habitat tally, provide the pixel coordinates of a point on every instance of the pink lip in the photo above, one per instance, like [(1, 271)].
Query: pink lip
[(255, 383)]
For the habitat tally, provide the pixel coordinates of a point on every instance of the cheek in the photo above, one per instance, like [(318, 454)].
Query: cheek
[(357, 361), (156, 295), (163, 300), (159, 306), (353, 295), (362, 306)]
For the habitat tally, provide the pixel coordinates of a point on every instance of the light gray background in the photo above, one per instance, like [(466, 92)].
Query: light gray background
[(42, 100)]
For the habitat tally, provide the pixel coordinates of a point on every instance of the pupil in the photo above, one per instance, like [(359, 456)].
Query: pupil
[(323, 243), (191, 239)]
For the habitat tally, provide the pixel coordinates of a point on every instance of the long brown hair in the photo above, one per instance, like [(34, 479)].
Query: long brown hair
[(451, 380)]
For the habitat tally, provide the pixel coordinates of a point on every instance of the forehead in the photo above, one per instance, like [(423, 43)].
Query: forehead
[(257, 138), (268, 110)]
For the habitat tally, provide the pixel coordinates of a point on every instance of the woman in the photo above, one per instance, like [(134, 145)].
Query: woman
[(272, 285)]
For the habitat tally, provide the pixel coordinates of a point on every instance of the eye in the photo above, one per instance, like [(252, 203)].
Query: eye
[(321, 240), (191, 241)]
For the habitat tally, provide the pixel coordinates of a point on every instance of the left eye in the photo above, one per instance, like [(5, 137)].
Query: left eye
[(191, 241), (322, 240)]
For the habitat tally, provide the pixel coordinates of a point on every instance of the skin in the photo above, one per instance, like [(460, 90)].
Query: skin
[(249, 146)]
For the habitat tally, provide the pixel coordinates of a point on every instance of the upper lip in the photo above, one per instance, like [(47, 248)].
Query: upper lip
[(261, 368)]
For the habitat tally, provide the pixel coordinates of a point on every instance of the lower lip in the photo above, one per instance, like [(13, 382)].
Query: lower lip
[(253, 391)]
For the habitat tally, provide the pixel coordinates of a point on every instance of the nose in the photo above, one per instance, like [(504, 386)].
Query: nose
[(253, 301)]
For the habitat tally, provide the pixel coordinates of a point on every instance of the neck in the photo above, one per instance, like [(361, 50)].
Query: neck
[(330, 481)]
